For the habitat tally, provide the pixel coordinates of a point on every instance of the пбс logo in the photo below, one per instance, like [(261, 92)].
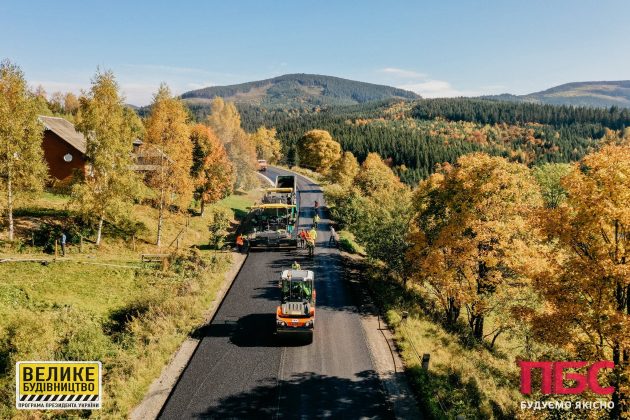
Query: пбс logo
[(553, 377)]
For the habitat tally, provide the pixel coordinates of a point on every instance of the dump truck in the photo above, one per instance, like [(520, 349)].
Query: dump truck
[(296, 313), (273, 222)]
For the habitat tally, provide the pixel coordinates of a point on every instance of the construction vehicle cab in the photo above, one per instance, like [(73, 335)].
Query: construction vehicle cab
[(274, 221), (296, 313)]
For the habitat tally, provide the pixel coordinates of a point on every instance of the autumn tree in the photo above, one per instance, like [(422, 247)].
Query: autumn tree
[(110, 185), (22, 165), (549, 177), (168, 140), (590, 294), (376, 179), (344, 170), (70, 103), (318, 151), (55, 103), (225, 121), (212, 171), (379, 222), (268, 147), (616, 137), (473, 244)]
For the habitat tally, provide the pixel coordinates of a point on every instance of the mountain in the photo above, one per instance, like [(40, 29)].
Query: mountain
[(298, 91), (592, 94)]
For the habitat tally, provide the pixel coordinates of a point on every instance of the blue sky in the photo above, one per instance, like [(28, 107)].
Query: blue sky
[(436, 48)]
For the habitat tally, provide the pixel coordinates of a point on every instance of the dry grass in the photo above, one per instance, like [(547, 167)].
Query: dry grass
[(464, 377), (470, 381)]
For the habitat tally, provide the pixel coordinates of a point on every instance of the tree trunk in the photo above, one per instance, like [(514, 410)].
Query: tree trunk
[(494, 339), (160, 219), (10, 206), (452, 312), (100, 231), (615, 413), (477, 325), (203, 207)]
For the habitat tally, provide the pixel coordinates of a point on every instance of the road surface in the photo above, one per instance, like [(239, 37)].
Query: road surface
[(241, 370)]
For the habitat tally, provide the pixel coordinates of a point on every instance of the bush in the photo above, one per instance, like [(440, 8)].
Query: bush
[(218, 225), (48, 233)]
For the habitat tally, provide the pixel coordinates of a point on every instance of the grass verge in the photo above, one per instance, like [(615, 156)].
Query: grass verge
[(348, 243), (464, 378), (130, 319)]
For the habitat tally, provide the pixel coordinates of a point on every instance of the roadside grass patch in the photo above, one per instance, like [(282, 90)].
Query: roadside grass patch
[(130, 319), (464, 377), (348, 243)]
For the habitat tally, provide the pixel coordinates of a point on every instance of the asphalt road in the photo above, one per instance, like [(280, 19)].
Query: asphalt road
[(242, 370)]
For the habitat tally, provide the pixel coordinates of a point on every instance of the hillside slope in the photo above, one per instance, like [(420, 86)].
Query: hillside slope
[(593, 94), (298, 91)]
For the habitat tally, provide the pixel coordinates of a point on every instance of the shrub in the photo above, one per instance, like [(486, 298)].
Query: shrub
[(220, 219)]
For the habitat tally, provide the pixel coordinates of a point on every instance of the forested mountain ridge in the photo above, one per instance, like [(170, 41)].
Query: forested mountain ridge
[(594, 94), (416, 136), (298, 91)]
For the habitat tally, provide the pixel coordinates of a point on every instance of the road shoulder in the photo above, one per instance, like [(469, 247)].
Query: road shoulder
[(382, 346), (161, 388)]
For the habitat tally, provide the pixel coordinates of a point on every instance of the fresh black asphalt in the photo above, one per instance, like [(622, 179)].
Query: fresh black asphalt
[(242, 370)]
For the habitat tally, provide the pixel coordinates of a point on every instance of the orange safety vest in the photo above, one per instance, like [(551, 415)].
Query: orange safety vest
[(239, 240)]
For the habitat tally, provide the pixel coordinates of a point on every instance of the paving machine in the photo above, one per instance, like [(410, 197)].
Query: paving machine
[(274, 221)]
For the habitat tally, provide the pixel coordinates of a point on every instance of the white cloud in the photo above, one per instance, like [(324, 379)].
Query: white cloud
[(402, 73), (436, 89), (201, 85), (427, 87)]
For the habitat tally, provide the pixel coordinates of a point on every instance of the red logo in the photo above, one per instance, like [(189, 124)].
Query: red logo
[(553, 377)]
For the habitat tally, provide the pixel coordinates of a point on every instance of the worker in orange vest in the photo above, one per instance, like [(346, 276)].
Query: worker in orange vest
[(240, 242), (303, 238)]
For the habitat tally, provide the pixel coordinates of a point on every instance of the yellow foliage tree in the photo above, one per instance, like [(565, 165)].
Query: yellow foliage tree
[(22, 165), (318, 151), (590, 295), (212, 171), (110, 185), (377, 180), (268, 147), (168, 137), (225, 121), (344, 170), (473, 245)]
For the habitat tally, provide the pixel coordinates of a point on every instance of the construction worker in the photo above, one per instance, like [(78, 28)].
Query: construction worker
[(333, 236), (316, 220), (303, 238), (295, 266), (312, 236), (240, 242)]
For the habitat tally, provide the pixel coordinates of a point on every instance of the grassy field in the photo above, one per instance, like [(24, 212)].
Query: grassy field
[(103, 303)]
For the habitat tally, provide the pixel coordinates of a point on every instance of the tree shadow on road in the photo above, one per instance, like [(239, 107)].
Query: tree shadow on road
[(307, 395)]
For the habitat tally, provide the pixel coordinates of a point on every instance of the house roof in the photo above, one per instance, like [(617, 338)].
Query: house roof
[(64, 129)]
